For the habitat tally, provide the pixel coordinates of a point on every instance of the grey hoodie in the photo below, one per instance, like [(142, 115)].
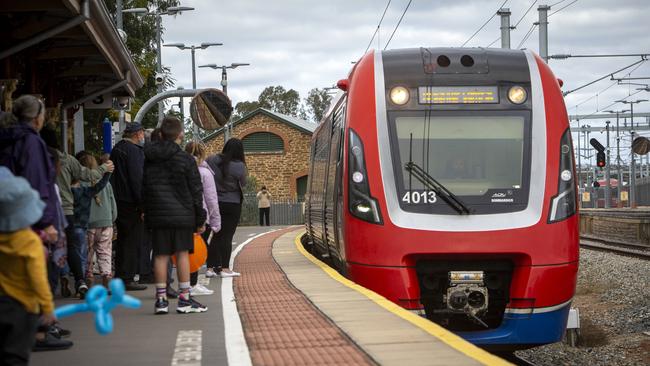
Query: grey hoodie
[(229, 188)]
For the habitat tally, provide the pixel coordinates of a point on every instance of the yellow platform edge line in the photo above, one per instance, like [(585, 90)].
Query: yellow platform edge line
[(430, 327)]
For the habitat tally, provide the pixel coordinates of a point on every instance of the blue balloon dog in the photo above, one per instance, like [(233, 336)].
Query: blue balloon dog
[(98, 301)]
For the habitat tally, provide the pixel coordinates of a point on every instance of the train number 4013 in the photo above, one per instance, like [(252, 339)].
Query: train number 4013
[(414, 197)]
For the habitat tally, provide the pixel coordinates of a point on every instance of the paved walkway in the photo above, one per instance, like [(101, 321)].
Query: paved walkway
[(280, 324), (297, 311)]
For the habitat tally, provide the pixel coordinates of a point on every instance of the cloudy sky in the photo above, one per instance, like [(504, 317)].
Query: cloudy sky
[(307, 44)]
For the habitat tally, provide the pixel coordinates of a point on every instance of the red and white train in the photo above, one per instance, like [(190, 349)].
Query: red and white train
[(443, 179)]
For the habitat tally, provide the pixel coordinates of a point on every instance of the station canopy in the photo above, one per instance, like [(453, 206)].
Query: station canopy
[(67, 51)]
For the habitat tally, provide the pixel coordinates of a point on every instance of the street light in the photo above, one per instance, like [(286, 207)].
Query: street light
[(193, 48), (224, 75), (173, 10)]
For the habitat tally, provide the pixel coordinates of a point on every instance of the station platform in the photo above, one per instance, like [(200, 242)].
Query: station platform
[(297, 311), (287, 308)]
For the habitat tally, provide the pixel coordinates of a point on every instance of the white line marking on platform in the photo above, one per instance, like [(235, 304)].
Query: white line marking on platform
[(236, 347), (188, 348)]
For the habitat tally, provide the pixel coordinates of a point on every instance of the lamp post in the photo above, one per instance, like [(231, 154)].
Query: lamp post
[(224, 86), (193, 48), (158, 14), (224, 75), (632, 163), (618, 156)]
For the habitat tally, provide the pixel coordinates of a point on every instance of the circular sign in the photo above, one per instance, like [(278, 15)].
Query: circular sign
[(210, 109), (641, 145)]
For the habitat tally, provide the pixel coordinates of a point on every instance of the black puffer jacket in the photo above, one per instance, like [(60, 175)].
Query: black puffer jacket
[(172, 189)]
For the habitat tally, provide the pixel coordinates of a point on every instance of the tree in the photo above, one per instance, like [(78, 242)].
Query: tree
[(317, 102), (280, 100), (244, 108)]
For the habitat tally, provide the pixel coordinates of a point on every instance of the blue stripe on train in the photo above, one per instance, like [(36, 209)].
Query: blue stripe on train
[(540, 328)]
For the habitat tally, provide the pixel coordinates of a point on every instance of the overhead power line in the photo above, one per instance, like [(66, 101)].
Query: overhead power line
[(603, 90), (398, 23), (378, 27), (604, 77), (484, 24), (528, 34), (527, 11), (562, 8)]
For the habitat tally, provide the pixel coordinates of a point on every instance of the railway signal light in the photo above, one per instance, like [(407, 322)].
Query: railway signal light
[(597, 145), (600, 159)]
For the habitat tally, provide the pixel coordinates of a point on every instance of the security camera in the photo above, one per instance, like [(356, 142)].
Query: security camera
[(160, 78), (123, 102)]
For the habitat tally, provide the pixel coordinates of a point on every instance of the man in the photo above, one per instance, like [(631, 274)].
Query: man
[(128, 157)]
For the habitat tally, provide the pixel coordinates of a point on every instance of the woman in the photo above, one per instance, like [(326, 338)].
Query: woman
[(24, 152), (173, 210), (210, 204), (230, 176)]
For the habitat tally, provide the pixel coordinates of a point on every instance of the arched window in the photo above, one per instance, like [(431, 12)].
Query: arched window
[(263, 142)]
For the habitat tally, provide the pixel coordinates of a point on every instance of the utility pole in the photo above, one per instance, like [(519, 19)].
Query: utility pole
[(505, 27), (118, 14), (608, 185), (543, 31), (618, 155), (579, 163), (632, 175), (160, 86)]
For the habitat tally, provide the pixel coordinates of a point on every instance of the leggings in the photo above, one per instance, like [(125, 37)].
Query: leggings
[(221, 247)]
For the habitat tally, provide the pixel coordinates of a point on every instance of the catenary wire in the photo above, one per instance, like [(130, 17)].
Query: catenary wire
[(398, 23), (378, 26), (484, 24)]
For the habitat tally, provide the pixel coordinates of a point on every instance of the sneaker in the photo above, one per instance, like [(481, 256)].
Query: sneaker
[(51, 343), (200, 290), (81, 291), (162, 306), (224, 274), (134, 286), (58, 332), (190, 306), (210, 273)]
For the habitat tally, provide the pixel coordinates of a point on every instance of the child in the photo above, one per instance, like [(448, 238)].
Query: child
[(103, 213), (24, 289), (210, 204), (173, 210), (83, 196)]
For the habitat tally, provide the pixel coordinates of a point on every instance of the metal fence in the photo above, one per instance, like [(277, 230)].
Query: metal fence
[(283, 212), (595, 197)]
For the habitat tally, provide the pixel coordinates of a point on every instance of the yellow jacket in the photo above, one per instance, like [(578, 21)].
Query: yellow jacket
[(23, 274)]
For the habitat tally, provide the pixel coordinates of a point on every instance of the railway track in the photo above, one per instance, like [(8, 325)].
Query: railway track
[(603, 245), (514, 359)]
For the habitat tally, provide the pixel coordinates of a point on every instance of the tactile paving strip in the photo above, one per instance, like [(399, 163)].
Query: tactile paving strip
[(280, 324)]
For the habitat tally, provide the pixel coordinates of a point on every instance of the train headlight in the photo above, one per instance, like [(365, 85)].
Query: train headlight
[(363, 208), (566, 175), (399, 95), (357, 177), (517, 94)]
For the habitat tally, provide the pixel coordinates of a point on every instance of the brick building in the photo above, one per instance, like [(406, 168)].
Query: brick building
[(277, 150)]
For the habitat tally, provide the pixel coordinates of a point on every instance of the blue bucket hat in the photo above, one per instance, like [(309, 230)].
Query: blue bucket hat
[(20, 205)]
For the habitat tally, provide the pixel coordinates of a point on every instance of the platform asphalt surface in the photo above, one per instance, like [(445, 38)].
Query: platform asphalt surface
[(142, 338)]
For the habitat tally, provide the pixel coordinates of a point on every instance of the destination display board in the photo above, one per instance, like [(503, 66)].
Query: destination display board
[(458, 94)]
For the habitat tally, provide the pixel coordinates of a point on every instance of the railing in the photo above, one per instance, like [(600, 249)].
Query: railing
[(283, 212)]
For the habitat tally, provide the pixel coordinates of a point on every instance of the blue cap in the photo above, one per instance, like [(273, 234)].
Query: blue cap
[(133, 127), (20, 205)]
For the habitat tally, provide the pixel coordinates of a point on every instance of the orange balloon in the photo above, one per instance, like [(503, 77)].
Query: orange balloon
[(200, 255)]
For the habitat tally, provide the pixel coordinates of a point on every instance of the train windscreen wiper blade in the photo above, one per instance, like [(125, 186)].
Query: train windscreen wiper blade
[(430, 183)]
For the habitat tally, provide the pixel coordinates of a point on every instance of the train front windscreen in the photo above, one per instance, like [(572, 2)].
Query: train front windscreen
[(480, 158)]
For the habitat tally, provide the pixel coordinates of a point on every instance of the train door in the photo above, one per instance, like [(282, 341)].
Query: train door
[(317, 188), (333, 186)]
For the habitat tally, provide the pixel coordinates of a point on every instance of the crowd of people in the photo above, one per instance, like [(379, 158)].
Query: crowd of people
[(63, 216)]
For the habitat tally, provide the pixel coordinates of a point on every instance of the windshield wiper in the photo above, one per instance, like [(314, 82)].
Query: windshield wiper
[(433, 185)]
